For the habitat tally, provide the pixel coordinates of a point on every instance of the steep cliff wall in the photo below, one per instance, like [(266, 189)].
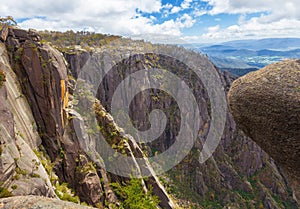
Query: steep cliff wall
[(41, 76), (239, 174), (37, 94), (45, 142), (21, 171)]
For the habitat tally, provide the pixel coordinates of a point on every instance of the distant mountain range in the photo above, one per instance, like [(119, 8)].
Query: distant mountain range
[(281, 44), (242, 56)]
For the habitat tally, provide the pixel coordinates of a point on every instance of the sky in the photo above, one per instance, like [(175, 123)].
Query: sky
[(164, 21)]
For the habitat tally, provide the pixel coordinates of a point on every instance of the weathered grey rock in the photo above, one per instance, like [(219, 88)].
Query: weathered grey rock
[(131, 148), (21, 171), (34, 35), (88, 143), (236, 162), (12, 43), (266, 105), (35, 202), (4, 33), (43, 75), (46, 88), (7, 140), (18, 33), (76, 60), (89, 185)]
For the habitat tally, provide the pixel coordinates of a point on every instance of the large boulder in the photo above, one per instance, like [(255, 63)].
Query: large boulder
[(38, 202), (266, 105)]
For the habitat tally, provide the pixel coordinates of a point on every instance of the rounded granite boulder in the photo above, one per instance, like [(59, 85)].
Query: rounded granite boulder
[(266, 105)]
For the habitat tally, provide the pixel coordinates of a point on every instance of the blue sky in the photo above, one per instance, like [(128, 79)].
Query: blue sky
[(172, 21)]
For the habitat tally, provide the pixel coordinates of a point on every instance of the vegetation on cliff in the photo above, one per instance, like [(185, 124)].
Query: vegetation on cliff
[(9, 21), (2, 78), (65, 41), (231, 178), (133, 195)]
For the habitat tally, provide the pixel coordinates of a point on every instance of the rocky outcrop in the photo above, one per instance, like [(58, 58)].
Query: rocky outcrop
[(41, 71), (37, 202), (127, 145), (46, 80), (89, 185), (4, 33), (238, 175), (233, 176), (21, 170), (76, 60), (266, 105)]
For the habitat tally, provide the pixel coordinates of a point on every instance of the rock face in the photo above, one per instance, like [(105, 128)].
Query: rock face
[(4, 33), (42, 129), (37, 202), (45, 84), (77, 61), (132, 148), (266, 105), (21, 171), (42, 74), (234, 176)]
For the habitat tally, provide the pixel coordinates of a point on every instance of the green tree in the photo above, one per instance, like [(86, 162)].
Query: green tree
[(9, 20), (134, 196)]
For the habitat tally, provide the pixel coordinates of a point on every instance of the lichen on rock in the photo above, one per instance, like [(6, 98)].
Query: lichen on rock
[(266, 105)]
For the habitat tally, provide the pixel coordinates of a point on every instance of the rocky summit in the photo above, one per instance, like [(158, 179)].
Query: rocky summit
[(266, 106)]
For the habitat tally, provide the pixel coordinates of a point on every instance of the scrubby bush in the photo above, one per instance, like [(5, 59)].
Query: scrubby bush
[(9, 20), (65, 193), (4, 192), (134, 197)]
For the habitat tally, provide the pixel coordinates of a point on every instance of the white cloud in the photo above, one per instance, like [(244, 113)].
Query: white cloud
[(213, 29), (167, 6), (253, 28), (288, 7), (199, 12), (120, 17), (175, 9), (186, 4), (123, 17), (185, 21), (279, 18), (146, 5)]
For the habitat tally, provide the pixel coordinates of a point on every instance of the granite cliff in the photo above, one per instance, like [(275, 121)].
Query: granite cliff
[(43, 154)]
